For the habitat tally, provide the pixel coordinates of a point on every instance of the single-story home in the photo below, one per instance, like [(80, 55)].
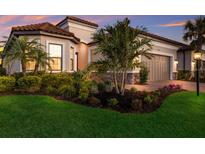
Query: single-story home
[(69, 43)]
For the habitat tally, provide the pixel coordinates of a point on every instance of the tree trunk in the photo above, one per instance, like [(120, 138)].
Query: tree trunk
[(36, 68), (115, 82), (123, 83), (23, 65)]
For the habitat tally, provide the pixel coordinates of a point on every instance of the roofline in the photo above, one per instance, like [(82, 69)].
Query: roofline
[(170, 41), (86, 22), (71, 38)]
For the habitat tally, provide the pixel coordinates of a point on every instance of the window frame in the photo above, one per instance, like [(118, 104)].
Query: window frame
[(61, 58), (70, 68)]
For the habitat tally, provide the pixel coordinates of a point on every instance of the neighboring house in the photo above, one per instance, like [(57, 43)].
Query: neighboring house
[(186, 60), (70, 45), (2, 43)]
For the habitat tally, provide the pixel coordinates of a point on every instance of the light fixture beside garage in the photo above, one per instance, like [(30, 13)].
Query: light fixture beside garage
[(197, 57)]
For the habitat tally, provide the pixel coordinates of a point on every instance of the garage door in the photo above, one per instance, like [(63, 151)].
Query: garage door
[(158, 66)]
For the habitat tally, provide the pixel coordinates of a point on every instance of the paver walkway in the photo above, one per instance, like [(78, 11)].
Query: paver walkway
[(186, 85)]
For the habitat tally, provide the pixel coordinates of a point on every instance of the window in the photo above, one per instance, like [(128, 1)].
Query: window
[(72, 59), (30, 65), (55, 51)]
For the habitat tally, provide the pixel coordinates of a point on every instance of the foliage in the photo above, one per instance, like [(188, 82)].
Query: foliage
[(148, 99), (93, 101), (184, 75), (194, 33), (55, 81), (113, 102), (6, 83), (83, 94), (143, 74), (136, 104), (120, 46), (29, 83), (133, 90), (2, 71), (50, 90), (93, 88), (22, 49), (67, 91)]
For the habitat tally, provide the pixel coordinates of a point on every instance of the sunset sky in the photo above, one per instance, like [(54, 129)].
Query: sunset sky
[(167, 26)]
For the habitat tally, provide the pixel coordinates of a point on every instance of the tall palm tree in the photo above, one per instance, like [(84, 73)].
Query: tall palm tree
[(195, 33), (120, 46), (20, 48)]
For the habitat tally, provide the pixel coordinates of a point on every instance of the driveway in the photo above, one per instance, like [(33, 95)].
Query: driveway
[(186, 85)]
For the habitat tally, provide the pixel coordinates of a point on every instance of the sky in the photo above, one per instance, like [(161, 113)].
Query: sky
[(166, 26)]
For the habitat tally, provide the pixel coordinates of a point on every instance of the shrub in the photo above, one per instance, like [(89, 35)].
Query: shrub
[(55, 81), (50, 90), (93, 87), (83, 94), (113, 102), (2, 71), (143, 74), (148, 99), (133, 90), (101, 87), (105, 86), (136, 104), (183, 75), (6, 83), (18, 75), (93, 101), (67, 91), (29, 83)]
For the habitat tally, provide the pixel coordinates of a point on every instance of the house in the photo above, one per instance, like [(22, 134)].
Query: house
[(70, 45), (185, 56), (2, 43)]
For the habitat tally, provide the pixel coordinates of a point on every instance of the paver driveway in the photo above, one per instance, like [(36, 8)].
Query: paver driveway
[(186, 85)]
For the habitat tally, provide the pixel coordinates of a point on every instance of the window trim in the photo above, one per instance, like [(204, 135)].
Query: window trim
[(61, 58)]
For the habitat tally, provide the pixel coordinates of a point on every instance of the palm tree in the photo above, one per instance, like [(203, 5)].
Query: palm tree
[(195, 33), (21, 48), (120, 46), (41, 59)]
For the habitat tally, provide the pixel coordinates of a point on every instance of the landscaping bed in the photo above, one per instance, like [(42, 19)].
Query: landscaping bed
[(79, 89)]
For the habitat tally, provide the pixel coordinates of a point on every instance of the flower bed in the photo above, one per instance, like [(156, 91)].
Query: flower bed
[(79, 89)]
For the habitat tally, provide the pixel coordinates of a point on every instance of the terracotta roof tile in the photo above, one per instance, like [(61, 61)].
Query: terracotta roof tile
[(45, 27), (78, 20)]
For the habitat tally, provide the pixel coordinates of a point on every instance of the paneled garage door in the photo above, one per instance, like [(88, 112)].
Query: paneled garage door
[(158, 66)]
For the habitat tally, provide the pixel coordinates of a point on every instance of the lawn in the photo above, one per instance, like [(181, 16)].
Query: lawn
[(181, 115)]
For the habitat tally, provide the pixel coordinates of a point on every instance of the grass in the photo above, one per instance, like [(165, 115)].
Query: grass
[(181, 115)]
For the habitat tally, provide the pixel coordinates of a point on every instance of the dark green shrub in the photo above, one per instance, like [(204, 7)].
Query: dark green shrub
[(113, 102), (17, 75), (29, 83), (143, 74), (93, 88), (184, 75), (93, 101), (2, 71), (49, 90), (6, 83), (55, 81), (148, 99), (136, 104), (133, 90), (101, 87), (108, 86), (83, 94), (67, 91)]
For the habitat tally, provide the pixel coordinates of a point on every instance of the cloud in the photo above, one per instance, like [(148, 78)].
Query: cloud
[(174, 24), (32, 18), (7, 18)]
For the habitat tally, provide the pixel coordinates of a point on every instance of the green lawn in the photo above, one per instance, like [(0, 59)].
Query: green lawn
[(181, 115)]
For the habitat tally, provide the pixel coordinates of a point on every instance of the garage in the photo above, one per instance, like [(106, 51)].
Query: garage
[(158, 66)]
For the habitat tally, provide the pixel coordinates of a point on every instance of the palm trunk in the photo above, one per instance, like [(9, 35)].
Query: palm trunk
[(123, 83), (36, 68), (23, 65)]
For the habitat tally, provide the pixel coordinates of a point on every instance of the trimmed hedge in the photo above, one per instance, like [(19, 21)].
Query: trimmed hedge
[(29, 83), (6, 83)]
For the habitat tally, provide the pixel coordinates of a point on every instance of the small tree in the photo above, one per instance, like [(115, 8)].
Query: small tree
[(120, 46), (20, 48), (143, 74)]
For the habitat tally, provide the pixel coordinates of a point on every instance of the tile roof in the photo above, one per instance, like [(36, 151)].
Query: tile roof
[(78, 20), (44, 27)]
